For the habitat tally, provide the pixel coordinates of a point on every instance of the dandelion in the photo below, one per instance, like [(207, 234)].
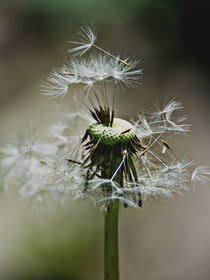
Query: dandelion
[(112, 161)]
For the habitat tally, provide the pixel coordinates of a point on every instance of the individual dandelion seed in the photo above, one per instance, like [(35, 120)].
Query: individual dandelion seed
[(100, 156), (87, 40)]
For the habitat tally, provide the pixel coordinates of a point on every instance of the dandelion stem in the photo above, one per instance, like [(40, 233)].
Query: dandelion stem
[(111, 258)]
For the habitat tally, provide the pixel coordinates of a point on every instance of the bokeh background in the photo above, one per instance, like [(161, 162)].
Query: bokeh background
[(161, 241)]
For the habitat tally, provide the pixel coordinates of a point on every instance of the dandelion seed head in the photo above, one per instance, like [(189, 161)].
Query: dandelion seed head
[(97, 155)]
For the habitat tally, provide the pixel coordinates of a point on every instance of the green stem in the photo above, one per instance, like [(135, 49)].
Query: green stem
[(111, 258)]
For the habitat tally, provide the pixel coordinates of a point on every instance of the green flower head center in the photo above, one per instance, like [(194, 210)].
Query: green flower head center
[(121, 131)]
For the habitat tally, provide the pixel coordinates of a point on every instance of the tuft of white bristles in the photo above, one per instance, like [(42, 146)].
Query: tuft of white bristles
[(201, 174), (89, 72), (87, 38)]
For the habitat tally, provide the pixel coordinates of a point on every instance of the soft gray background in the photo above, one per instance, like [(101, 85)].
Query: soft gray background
[(163, 240)]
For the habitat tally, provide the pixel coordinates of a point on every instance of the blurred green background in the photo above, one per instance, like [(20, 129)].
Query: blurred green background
[(161, 241)]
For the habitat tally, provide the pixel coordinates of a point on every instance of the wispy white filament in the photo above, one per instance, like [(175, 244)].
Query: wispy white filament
[(118, 168), (85, 42), (89, 71)]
